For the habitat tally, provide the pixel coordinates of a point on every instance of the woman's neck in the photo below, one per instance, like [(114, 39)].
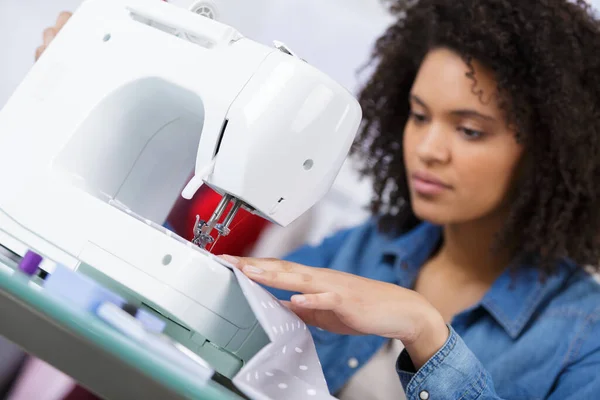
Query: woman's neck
[(467, 249)]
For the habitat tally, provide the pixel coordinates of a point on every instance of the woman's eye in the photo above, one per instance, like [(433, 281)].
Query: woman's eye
[(418, 118), (471, 134)]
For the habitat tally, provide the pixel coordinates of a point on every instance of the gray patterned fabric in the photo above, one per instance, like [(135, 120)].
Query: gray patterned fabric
[(288, 367)]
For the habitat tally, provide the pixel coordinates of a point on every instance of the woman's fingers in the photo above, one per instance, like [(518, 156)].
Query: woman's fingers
[(291, 281), (283, 275), (48, 35), (267, 264), (62, 19), (323, 319), (39, 51), (318, 301)]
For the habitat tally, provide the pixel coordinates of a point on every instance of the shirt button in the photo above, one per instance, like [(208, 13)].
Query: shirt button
[(424, 395), (353, 363)]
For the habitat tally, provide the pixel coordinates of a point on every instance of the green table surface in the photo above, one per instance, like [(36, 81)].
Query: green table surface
[(18, 288)]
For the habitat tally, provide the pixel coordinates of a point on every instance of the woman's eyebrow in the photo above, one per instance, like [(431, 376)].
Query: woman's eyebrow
[(465, 113), (472, 114)]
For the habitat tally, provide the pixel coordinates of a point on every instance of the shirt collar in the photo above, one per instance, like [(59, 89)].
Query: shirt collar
[(514, 296), (411, 250)]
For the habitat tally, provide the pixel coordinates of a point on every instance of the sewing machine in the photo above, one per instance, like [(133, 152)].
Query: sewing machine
[(101, 137)]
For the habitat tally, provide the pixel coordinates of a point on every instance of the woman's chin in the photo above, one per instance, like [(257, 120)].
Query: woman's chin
[(432, 213)]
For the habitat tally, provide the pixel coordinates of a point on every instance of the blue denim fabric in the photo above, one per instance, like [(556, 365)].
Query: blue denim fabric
[(526, 339)]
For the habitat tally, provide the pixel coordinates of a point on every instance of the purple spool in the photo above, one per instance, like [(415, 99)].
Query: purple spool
[(30, 263)]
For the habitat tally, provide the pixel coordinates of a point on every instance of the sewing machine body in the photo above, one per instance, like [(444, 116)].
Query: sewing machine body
[(102, 135)]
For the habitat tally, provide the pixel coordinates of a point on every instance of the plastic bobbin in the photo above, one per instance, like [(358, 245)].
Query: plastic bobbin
[(79, 290), (30, 263), (150, 322)]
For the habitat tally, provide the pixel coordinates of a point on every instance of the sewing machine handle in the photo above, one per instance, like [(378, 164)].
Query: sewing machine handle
[(185, 21)]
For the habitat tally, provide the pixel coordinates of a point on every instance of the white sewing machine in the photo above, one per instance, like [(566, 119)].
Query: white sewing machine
[(101, 137)]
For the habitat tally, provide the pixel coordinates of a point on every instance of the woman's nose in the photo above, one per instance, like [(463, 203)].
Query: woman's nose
[(434, 146)]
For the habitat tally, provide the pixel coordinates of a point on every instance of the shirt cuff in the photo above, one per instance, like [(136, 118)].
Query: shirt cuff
[(454, 372)]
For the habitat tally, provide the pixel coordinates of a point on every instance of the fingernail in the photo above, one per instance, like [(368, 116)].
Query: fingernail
[(253, 270), (299, 299), (230, 259)]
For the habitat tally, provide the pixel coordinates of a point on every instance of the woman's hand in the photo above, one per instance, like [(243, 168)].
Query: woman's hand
[(348, 304), (50, 33)]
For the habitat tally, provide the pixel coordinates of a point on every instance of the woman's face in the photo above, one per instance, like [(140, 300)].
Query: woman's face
[(460, 155)]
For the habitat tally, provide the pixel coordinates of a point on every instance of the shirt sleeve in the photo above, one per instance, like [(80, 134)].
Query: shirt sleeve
[(454, 372)]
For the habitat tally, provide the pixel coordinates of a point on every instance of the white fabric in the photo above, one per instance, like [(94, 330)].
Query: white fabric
[(377, 379)]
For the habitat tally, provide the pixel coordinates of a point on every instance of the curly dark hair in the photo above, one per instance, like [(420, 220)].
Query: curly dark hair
[(545, 56)]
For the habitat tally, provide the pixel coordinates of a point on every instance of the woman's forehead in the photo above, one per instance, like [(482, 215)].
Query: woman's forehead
[(444, 80)]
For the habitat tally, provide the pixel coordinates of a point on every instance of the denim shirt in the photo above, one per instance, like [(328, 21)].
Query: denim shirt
[(526, 339)]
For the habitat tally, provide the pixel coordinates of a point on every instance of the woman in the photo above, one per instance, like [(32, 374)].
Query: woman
[(481, 126)]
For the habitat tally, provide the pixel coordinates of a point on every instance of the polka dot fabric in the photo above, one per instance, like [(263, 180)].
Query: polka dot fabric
[(288, 367)]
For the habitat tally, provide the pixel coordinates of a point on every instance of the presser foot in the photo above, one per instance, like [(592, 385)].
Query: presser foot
[(203, 241), (203, 229), (202, 238)]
